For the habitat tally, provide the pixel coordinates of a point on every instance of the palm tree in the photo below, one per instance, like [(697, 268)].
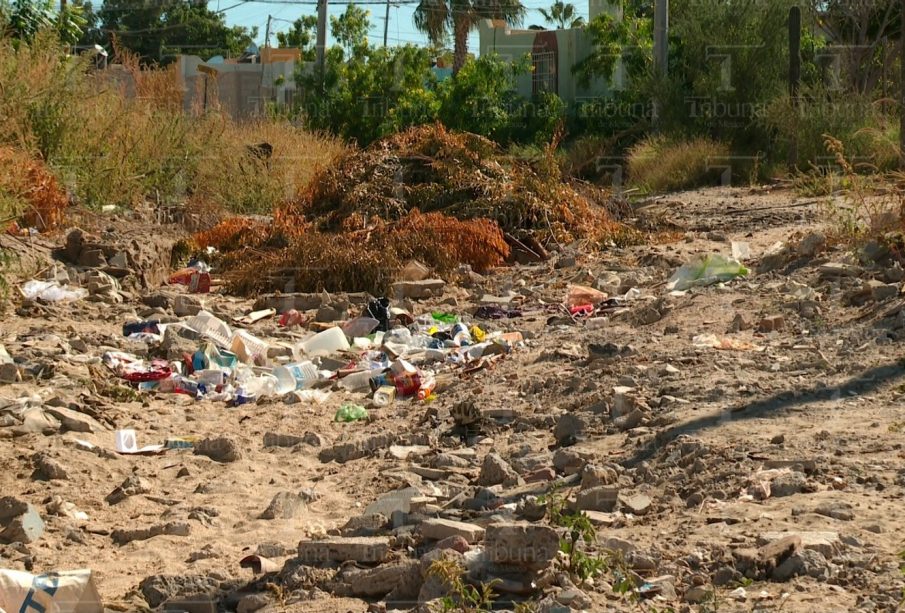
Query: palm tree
[(562, 15), (440, 18)]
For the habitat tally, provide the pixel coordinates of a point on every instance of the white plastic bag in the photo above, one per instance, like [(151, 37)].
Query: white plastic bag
[(71, 591), (706, 270), (51, 291)]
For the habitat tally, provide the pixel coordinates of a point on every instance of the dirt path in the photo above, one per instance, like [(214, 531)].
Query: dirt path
[(715, 450)]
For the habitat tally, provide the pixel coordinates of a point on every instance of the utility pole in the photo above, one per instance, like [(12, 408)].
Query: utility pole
[(902, 90), (321, 44), (386, 24), (794, 77), (661, 36), (261, 58)]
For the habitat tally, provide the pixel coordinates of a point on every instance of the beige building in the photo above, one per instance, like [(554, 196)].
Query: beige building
[(553, 54)]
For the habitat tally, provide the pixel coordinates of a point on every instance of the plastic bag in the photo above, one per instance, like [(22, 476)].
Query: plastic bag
[(351, 412), (580, 295), (71, 591), (706, 270), (51, 291), (379, 309)]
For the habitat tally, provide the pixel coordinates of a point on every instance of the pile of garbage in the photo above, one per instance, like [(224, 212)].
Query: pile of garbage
[(385, 352), (442, 197)]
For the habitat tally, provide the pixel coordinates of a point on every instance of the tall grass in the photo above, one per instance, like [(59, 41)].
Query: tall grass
[(128, 141), (658, 164)]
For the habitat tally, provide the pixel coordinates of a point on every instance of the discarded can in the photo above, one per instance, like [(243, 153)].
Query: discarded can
[(407, 384), (384, 396)]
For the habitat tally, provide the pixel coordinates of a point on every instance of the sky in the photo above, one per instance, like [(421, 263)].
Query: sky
[(401, 29)]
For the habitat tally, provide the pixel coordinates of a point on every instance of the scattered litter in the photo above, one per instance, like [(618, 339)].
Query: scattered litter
[(71, 591), (706, 270), (741, 251), (126, 442), (256, 316), (711, 340), (52, 291), (583, 296), (351, 412)]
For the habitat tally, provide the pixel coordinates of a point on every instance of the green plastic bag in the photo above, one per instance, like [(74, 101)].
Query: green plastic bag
[(445, 318), (351, 412), (706, 270)]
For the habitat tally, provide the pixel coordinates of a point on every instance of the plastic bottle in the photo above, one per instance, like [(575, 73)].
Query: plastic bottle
[(427, 388), (294, 377)]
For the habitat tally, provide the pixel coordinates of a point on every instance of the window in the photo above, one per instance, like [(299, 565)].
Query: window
[(543, 78)]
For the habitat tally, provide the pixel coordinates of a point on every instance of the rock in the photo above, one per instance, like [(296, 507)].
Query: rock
[(646, 315), (132, 486), (697, 594), (121, 537), (599, 498), (74, 421), (531, 509), (804, 562), (360, 448), (366, 549), (525, 545), (418, 290), (391, 502), (593, 476), (779, 439), (773, 323), (158, 300), (284, 505), (273, 439), (812, 244), (835, 270), (739, 323), (495, 470), (252, 602), (403, 576), (437, 529), (92, 258), (570, 428), (455, 542), (365, 525), (574, 598), (630, 421), (19, 525), (639, 504), (565, 261), (175, 344), (46, 468), (787, 485), (773, 553), (568, 461), (220, 449), (615, 543), (664, 585), (185, 305), (836, 510), (414, 271), (433, 587), (826, 543), (9, 373), (158, 589), (694, 499), (882, 291)]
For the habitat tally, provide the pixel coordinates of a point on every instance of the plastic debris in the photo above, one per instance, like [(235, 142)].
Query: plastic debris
[(69, 591), (52, 291), (706, 270), (581, 295), (351, 412), (711, 340)]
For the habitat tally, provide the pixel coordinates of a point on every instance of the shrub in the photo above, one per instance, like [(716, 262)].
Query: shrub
[(657, 164)]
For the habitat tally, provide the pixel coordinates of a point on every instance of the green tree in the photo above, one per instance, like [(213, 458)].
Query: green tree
[(301, 36), (157, 30), (440, 18), (562, 15), (350, 29), (23, 19)]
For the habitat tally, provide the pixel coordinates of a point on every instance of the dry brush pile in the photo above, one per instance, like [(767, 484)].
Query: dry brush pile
[(442, 197)]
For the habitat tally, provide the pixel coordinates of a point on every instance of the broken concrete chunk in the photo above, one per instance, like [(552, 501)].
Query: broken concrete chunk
[(360, 448), (274, 439), (827, 543), (158, 589), (418, 290), (48, 469), (438, 529), (380, 581), (524, 545), (284, 505), (132, 486), (121, 537), (366, 549), (25, 527), (639, 504), (773, 323), (600, 498), (495, 470)]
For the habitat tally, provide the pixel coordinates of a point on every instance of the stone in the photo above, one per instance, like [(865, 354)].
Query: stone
[(614, 543), (158, 589), (220, 449), (74, 421), (600, 498), (779, 439), (361, 448), (403, 576), (570, 428), (835, 270), (284, 505), (132, 486), (630, 421), (9, 373), (433, 587), (495, 470), (274, 439), (252, 602), (826, 543), (664, 585), (366, 549), (812, 244), (414, 271), (773, 323), (365, 525), (639, 504), (774, 552), (455, 542), (25, 527), (438, 529), (697, 594), (804, 562), (418, 290), (92, 258), (390, 502), (46, 468), (574, 598), (175, 343), (739, 323), (593, 476), (883, 291), (788, 484), (836, 510), (185, 305), (695, 499), (121, 537), (523, 545), (11, 507)]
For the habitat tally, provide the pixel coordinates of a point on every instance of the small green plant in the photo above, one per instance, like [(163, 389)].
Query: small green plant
[(462, 597), (579, 529)]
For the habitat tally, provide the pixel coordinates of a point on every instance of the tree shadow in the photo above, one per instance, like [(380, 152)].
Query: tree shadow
[(868, 381)]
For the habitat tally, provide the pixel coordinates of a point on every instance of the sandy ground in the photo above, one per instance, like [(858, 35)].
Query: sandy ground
[(822, 400)]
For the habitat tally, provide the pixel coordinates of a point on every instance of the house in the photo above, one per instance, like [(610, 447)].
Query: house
[(241, 87), (553, 54)]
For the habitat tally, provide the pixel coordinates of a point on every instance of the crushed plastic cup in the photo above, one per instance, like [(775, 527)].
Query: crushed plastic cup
[(360, 326), (51, 291), (706, 270), (324, 343), (293, 377), (349, 412)]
